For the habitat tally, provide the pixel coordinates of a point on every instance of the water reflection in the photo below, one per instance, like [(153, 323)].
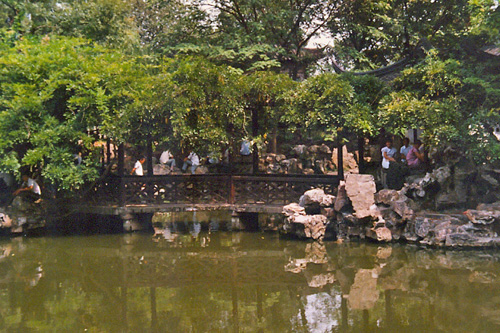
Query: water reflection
[(201, 280)]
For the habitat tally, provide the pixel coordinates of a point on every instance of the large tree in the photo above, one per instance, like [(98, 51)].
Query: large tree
[(370, 34), (59, 96), (263, 30), (454, 103)]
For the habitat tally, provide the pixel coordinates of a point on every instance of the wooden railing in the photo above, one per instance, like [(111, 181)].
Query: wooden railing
[(209, 189)]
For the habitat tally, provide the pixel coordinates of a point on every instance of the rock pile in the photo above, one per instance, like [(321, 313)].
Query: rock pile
[(302, 159), (390, 215), (309, 218)]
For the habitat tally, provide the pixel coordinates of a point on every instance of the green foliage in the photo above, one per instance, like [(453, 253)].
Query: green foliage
[(371, 34), (264, 92), (176, 73), (328, 103), (207, 104), (55, 94), (454, 103)]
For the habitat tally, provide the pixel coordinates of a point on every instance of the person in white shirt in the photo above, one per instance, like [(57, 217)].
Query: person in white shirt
[(388, 154), (192, 160), (29, 188), (137, 170), (167, 158)]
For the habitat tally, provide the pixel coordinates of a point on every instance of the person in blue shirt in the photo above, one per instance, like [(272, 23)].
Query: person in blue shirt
[(405, 149)]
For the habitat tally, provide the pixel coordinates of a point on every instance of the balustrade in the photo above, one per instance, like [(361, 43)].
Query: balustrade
[(207, 189)]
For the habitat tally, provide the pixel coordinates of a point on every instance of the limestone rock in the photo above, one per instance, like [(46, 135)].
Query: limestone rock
[(402, 208), (324, 149), (316, 196), (305, 226), (341, 201), (201, 170), (490, 180), (160, 169), (441, 174), (314, 225), (469, 240), (451, 231), (349, 161), (422, 227), (274, 168), (270, 158), (308, 171), (380, 234), (280, 157), (313, 149), (360, 190), (300, 149), (293, 209), (495, 206), (386, 196), (482, 216), (5, 220), (289, 166), (328, 212), (383, 234)]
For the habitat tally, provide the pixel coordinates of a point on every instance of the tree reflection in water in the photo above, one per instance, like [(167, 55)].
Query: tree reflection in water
[(199, 280)]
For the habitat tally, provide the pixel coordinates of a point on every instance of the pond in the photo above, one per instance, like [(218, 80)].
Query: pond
[(198, 280)]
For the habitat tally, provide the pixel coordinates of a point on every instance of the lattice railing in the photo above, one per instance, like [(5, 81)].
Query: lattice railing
[(208, 189)]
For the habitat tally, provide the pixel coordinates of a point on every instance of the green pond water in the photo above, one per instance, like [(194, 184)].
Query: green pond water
[(191, 279)]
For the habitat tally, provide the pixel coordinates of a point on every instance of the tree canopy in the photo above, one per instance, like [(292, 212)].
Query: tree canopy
[(74, 73)]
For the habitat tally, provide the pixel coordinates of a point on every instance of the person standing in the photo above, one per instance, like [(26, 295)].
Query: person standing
[(388, 154), (405, 149), (245, 148), (138, 170)]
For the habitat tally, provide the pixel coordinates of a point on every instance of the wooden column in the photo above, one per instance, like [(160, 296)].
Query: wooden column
[(255, 132), (149, 154), (361, 154), (121, 174), (121, 160), (231, 190), (340, 158), (108, 151)]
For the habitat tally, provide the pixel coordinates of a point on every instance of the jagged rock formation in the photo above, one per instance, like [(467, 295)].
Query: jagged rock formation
[(389, 215), (360, 190), (312, 159), (21, 216), (306, 220)]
